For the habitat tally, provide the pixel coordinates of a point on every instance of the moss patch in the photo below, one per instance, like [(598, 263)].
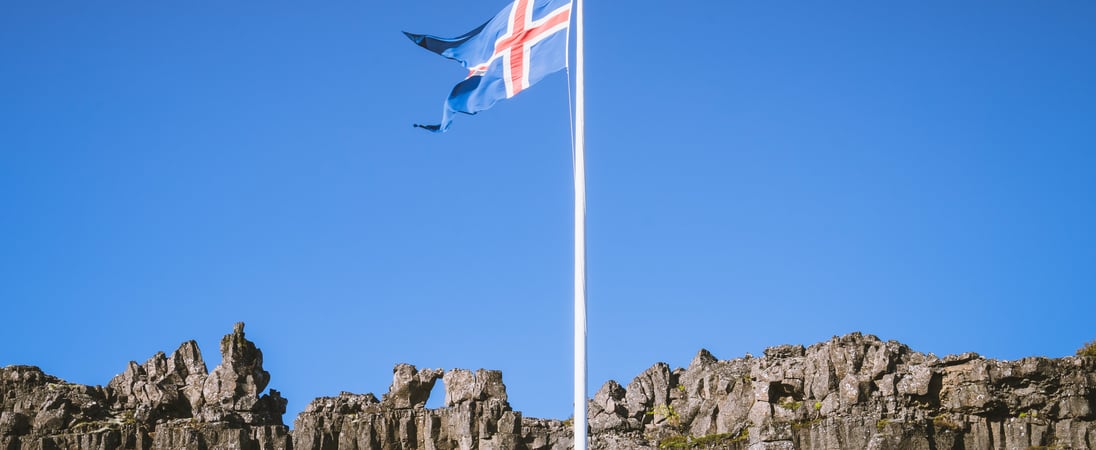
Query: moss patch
[(708, 441)]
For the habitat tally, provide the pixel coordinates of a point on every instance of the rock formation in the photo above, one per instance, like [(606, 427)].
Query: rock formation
[(167, 402), (476, 415), (851, 392)]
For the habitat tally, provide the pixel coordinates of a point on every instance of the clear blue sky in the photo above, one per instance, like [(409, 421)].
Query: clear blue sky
[(760, 173)]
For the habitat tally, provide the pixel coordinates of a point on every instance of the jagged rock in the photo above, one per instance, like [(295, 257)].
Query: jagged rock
[(647, 390), (546, 434), (164, 387), (916, 381), (13, 424), (856, 392), (158, 404), (851, 392), (189, 434), (231, 391), (784, 351), (608, 411), (477, 415), (463, 386), (411, 387), (190, 371)]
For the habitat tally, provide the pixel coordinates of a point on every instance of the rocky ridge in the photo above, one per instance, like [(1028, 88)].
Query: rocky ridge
[(170, 401), (851, 392)]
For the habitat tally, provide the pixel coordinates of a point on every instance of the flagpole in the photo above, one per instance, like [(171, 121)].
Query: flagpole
[(580, 237)]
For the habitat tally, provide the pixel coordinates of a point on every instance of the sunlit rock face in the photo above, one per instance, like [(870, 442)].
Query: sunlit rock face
[(168, 402), (851, 392)]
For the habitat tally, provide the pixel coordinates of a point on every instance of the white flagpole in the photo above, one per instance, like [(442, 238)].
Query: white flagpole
[(580, 237)]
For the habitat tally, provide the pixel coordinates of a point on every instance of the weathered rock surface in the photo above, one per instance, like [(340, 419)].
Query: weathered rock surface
[(169, 402), (476, 415), (851, 392)]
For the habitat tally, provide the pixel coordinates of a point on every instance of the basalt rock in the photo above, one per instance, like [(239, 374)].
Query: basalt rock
[(411, 387), (476, 415), (851, 392), (164, 387), (231, 393), (169, 402)]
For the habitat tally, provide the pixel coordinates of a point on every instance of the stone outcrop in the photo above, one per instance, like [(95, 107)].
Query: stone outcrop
[(476, 415), (167, 402), (851, 392)]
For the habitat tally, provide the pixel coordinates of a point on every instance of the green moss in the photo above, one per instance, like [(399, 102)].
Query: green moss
[(667, 411), (709, 441), (716, 439), (806, 424), (742, 435), (791, 406), (1032, 414), (675, 442), (817, 406), (1088, 350), (944, 422), (881, 424)]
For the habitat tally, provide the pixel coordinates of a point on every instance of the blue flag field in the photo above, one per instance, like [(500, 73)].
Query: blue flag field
[(522, 44)]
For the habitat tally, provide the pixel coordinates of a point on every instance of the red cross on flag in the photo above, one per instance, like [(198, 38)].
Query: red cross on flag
[(522, 44)]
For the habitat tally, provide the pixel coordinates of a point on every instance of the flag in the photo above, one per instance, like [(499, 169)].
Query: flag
[(522, 44)]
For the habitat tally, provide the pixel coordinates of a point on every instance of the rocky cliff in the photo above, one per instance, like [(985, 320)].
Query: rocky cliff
[(167, 402), (851, 392)]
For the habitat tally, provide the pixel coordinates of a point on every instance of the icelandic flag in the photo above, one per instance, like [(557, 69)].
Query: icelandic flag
[(522, 44)]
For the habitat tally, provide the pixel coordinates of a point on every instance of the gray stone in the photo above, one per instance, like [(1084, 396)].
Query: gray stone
[(607, 409), (648, 389), (916, 381), (410, 387), (850, 392), (239, 374), (463, 386)]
